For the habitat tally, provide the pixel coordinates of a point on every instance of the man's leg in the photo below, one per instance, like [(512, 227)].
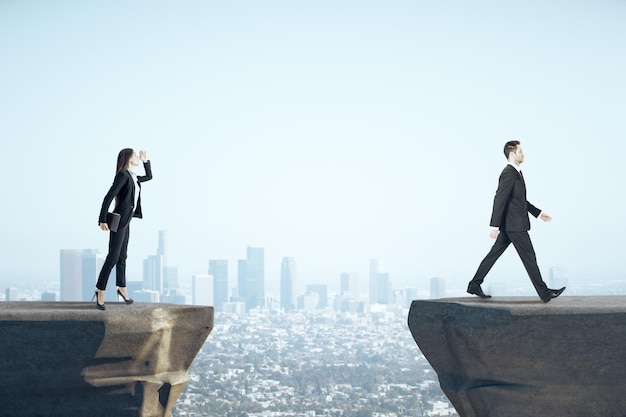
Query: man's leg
[(524, 247), (502, 242)]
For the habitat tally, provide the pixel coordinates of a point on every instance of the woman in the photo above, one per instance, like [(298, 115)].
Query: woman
[(126, 190)]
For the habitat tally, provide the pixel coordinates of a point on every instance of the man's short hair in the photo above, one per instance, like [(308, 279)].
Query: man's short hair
[(510, 146)]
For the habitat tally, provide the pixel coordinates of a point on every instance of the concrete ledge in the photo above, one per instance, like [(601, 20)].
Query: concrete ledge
[(519, 357), (70, 359)]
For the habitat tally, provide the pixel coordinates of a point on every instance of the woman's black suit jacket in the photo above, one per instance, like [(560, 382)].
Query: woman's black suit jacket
[(124, 189)]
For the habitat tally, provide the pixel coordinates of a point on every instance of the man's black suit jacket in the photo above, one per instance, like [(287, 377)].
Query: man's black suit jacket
[(510, 207), (124, 189)]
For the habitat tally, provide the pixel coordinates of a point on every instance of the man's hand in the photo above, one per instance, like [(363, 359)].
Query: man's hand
[(104, 226), (545, 217), (494, 233)]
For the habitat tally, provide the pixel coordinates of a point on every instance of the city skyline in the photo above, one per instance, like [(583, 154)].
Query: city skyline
[(334, 134), (81, 266), (78, 269)]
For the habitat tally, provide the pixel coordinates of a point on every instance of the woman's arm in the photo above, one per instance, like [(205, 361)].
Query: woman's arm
[(146, 167), (118, 183), (148, 176)]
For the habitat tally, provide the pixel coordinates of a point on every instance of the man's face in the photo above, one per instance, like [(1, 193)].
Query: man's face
[(518, 156)]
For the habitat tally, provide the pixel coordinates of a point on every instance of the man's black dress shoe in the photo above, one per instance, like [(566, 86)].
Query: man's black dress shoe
[(477, 291), (553, 294)]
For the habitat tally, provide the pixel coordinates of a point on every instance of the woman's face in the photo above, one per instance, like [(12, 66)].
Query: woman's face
[(134, 160)]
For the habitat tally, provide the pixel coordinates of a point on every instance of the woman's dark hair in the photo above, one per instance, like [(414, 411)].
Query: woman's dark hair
[(510, 146), (123, 158)]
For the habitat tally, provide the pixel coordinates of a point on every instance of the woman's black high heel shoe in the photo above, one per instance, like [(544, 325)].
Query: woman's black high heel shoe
[(98, 305), (126, 300)]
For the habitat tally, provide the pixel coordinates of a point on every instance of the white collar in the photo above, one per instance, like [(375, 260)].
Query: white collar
[(517, 168)]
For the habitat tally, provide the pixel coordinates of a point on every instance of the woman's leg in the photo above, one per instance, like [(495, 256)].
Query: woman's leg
[(116, 241), (120, 267)]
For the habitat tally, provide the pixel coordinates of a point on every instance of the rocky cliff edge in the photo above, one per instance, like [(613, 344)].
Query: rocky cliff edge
[(519, 357), (70, 359)]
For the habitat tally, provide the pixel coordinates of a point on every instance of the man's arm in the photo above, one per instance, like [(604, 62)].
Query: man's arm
[(500, 200), (537, 212), (532, 209)]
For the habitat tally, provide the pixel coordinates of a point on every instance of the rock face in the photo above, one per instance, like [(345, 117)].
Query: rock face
[(70, 359), (519, 357)]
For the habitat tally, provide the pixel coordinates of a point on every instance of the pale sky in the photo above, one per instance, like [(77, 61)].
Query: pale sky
[(329, 131)]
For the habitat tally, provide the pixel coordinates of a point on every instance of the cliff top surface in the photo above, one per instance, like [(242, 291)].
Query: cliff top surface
[(78, 311), (534, 306)]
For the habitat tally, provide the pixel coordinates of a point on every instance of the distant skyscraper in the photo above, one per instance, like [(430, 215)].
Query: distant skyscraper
[(309, 301), (79, 272), (218, 268), (11, 294), (272, 303), (170, 277), (410, 294), (384, 289), (437, 288), (153, 273), (241, 281), (558, 276), (158, 275), (399, 297), (92, 262), (373, 287), (162, 250), (288, 284), (251, 277), (322, 292), (71, 275), (346, 300), (349, 284), (255, 273), (202, 290)]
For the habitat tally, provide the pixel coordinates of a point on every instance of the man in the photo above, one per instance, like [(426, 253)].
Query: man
[(510, 224)]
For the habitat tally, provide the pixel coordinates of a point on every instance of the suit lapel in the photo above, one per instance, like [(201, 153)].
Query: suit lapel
[(519, 173), (132, 187)]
